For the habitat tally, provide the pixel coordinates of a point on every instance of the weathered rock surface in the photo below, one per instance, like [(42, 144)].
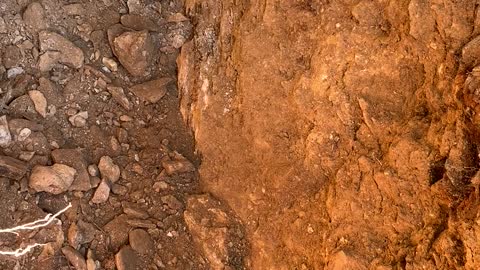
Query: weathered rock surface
[(127, 259), (117, 230), (151, 91), (34, 17), (5, 135), (141, 242), (54, 179), (214, 231), (108, 169), (79, 119), (119, 96), (177, 166), (134, 50), (75, 159), (39, 101), (102, 192), (80, 233), (12, 168), (75, 258), (58, 49)]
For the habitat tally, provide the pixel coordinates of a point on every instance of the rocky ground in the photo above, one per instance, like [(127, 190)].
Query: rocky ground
[(89, 117)]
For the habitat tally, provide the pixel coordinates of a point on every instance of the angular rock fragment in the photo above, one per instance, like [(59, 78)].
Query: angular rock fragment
[(108, 169), (23, 106), (138, 22), (34, 17), (54, 179), (5, 135), (79, 119), (39, 101), (471, 52), (134, 50), (127, 259), (214, 231), (58, 49), (177, 166), (75, 159), (119, 96), (81, 233), (151, 91), (134, 211), (12, 168), (74, 258), (102, 192)]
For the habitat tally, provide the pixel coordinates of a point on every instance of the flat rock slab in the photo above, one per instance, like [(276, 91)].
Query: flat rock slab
[(151, 91), (12, 168)]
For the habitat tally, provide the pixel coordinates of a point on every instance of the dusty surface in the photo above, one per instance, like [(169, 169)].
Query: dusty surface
[(343, 133), (328, 134), (89, 116)]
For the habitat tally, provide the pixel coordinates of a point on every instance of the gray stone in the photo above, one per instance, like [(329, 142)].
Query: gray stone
[(81, 233)]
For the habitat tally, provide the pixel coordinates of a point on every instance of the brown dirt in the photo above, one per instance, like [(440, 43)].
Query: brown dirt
[(142, 134), (343, 133), (330, 134)]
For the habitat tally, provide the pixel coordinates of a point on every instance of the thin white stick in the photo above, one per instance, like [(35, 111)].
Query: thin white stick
[(37, 223), (21, 251), (31, 226)]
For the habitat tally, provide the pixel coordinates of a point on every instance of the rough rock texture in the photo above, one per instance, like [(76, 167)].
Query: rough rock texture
[(54, 179), (151, 91), (12, 168), (216, 231), (108, 169), (134, 50), (58, 49), (127, 259), (75, 258), (343, 133), (75, 159)]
